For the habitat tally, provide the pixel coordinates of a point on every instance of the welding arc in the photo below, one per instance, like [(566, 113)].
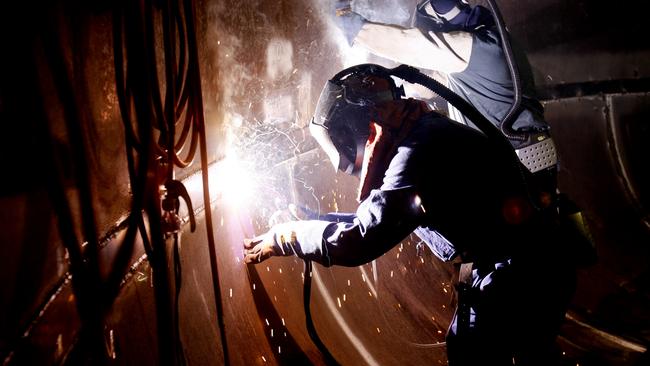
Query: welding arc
[(150, 126)]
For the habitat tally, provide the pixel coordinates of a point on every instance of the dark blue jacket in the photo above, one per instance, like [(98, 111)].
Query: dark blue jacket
[(445, 182)]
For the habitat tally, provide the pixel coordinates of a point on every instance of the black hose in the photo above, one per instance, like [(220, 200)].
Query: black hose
[(511, 116), (413, 75), (86, 280), (194, 76), (143, 112), (494, 135), (311, 328)]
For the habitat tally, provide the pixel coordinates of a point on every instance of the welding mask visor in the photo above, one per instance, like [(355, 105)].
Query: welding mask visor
[(346, 106), (341, 128)]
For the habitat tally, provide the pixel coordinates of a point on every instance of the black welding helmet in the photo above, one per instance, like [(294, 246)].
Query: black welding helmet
[(345, 109)]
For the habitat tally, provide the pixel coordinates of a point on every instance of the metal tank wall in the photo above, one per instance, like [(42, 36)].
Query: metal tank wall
[(262, 65)]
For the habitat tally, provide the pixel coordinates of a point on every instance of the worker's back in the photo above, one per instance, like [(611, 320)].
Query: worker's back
[(463, 183)]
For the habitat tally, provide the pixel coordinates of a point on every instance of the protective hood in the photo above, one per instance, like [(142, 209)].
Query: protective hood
[(341, 128), (346, 106)]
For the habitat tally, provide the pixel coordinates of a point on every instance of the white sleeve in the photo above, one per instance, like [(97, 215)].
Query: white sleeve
[(449, 52)]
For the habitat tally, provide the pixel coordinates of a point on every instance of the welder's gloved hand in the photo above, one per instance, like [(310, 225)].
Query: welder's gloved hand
[(348, 21), (278, 241), (260, 248)]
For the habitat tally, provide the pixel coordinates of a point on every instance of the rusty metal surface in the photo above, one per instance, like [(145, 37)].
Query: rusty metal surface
[(263, 64)]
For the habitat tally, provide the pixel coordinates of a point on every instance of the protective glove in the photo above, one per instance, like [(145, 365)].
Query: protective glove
[(279, 241), (348, 21)]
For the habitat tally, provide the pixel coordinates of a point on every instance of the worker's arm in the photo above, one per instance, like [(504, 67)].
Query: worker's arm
[(382, 221), (449, 52)]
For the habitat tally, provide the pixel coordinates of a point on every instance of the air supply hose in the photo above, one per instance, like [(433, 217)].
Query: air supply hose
[(413, 75), (508, 121)]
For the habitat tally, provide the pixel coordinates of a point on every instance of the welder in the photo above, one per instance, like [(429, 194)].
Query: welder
[(460, 193)]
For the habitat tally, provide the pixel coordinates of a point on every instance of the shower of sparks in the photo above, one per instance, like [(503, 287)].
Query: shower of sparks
[(261, 171)]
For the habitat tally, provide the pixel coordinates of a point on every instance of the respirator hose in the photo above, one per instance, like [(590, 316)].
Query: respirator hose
[(414, 75), (515, 108)]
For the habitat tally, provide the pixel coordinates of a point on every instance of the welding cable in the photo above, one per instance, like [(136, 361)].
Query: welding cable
[(178, 280), (137, 169), (197, 94), (139, 93), (135, 95), (515, 109), (84, 259), (311, 328), (169, 38)]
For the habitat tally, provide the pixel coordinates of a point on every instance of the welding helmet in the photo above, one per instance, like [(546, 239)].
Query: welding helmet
[(345, 108)]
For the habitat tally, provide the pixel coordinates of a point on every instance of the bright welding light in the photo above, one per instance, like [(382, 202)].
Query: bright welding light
[(417, 203), (233, 182)]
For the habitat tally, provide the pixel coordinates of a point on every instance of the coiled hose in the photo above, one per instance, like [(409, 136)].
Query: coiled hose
[(514, 110)]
